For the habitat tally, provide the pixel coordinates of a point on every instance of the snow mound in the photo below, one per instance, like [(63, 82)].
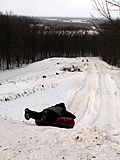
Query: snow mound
[(54, 143)]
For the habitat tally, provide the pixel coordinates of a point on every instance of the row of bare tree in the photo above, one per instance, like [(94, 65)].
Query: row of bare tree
[(24, 40)]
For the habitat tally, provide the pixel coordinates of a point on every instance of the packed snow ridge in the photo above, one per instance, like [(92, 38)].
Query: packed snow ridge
[(89, 87)]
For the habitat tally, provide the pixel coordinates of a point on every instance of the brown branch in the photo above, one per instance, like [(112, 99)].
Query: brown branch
[(114, 3)]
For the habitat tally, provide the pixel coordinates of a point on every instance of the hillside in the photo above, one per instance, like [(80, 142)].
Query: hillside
[(89, 87)]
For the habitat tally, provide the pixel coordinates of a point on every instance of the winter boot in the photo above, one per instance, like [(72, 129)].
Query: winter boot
[(27, 114)]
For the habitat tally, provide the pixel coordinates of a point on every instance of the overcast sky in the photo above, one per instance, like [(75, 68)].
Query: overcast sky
[(63, 8)]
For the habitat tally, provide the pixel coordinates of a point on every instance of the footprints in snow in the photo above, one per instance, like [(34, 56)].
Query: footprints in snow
[(26, 92)]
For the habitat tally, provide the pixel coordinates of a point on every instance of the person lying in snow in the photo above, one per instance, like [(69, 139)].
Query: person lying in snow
[(54, 116)]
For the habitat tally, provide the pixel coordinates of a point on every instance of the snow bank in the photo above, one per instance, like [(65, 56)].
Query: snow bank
[(25, 141)]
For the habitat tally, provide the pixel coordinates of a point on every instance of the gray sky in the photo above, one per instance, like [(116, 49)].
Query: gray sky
[(70, 8)]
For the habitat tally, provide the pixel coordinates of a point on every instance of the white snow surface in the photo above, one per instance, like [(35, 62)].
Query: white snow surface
[(89, 87)]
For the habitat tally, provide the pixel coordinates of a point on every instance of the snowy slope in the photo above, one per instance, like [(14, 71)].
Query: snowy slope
[(27, 87), (89, 87)]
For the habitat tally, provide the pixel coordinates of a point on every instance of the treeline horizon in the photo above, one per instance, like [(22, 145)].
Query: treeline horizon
[(25, 40)]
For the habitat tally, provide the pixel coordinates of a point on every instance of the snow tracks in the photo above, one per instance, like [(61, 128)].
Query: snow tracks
[(97, 103)]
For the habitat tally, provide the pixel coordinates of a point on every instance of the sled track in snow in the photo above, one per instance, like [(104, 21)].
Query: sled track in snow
[(94, 103)]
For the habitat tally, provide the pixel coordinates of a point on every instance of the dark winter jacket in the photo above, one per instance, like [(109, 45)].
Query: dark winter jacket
[(59, 110)]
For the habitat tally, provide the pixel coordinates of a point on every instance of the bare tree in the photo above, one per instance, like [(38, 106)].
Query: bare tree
[(107, 8), (109, 29)]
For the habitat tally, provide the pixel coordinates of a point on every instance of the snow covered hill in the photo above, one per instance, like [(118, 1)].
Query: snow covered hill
[(89, 87), (39, 85)]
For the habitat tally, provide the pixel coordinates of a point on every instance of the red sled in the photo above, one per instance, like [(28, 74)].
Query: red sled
[(62, 122)]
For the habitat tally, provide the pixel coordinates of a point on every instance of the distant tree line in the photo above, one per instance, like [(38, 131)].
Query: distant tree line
[(25, 40), (109, 42)]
